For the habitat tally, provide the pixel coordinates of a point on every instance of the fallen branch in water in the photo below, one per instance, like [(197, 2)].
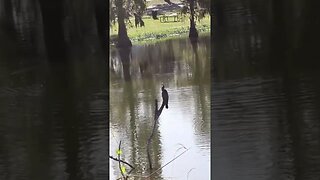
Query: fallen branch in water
[(113, 158), (122, 168), (189, 172), (150, 175), (156, 116), (168, 162)]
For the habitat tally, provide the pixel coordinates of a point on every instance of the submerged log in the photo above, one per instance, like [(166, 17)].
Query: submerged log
[(157, 113)]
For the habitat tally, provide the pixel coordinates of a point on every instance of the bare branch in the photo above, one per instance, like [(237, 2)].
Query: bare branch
[(168, 162), (189, 172), (156, 117), (113, 158)]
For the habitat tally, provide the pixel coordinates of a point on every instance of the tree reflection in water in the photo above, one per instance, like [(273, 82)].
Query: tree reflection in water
[(173, 63)]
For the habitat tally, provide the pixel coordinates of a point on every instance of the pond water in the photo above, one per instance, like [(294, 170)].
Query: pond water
[(136, 82), (53, 118), (265, 95)]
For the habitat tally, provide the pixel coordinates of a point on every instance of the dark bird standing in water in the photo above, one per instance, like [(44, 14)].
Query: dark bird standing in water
[(165, 96)]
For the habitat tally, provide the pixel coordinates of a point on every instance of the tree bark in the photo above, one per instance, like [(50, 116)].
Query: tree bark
[(52, 15), (157, 114), (102, 23), (123, 39), (193, 33), (7, 20), (125, 59)]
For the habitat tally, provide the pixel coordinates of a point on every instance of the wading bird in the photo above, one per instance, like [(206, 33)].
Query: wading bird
[(165, 96)]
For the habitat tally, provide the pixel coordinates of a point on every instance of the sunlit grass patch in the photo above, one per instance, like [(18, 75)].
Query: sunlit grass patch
[(155, 30)]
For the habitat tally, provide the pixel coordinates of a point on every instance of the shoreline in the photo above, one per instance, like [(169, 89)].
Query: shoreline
[(154, 38), (156, 31)]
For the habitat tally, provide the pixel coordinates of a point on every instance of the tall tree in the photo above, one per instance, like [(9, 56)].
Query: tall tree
[(191, 8), (100, 15), (193, 32), (52, 15), (205, 4), (123, 39), (120, 11)]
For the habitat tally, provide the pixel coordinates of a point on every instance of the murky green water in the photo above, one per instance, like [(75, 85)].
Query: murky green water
[(53, 116), (136, 83), (265, 92)]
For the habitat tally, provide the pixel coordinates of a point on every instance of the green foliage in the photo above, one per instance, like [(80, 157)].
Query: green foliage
[(123, 169), (204, 4), (139, 6), (112, 13), (155, 30), (130, 6), (202, 8), (119, 152)]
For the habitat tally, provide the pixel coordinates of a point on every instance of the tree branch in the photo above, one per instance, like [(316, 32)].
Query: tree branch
[(168, 163), (156, 117), (113, 158)]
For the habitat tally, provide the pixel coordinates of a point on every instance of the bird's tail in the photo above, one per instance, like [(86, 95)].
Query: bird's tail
[(166, 106)]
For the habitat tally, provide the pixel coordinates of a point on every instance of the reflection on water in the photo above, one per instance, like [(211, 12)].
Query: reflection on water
[(265, 106), (53, 118), (135, 83), (265, 131)]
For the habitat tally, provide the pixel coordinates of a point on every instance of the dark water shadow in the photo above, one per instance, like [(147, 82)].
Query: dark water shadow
[(264, 93)]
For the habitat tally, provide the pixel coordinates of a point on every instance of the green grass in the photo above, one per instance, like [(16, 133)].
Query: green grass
[(154, 30)]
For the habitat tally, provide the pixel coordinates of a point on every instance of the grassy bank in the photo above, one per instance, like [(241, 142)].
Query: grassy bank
[(154, 30)]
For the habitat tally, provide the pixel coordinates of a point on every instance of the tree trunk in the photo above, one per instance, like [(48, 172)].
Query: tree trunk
[(102, 23), (193, 33), (7, 19), (123, 39), (125, 59), (52, 15)]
